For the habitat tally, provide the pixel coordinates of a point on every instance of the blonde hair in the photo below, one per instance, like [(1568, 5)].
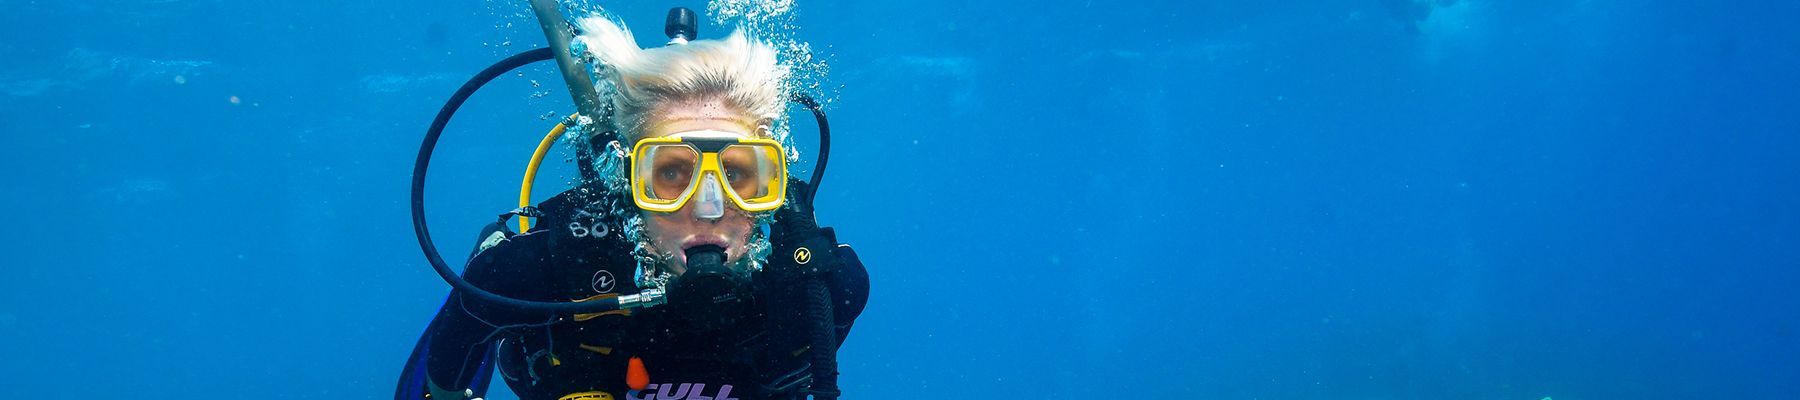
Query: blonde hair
[(738, 71)]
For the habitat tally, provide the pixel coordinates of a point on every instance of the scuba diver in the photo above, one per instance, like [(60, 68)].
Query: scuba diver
[(654, 277)]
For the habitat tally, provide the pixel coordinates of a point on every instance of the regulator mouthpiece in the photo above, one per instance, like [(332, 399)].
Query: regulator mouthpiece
[(705, 257), (709, 296), (711, 203)]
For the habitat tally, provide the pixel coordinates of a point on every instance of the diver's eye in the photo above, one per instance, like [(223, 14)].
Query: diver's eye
[(743, 181), (673, 174)]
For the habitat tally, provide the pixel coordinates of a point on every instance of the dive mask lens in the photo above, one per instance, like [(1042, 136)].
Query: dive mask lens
[(756, 174), (668, 172)]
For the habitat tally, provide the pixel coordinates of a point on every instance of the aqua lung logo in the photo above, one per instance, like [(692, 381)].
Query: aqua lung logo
[(802, 255), (685, 391), (603, 281)]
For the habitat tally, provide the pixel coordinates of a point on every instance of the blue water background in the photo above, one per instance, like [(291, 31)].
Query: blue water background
[(1070, 199)]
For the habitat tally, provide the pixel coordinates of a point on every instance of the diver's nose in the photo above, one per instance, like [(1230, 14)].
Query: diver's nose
[(709, 203)]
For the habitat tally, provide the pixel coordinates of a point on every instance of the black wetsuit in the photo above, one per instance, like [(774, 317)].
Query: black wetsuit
[(571, 255)]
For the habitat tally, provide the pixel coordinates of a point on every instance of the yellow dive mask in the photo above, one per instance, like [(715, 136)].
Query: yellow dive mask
[(705, 168)]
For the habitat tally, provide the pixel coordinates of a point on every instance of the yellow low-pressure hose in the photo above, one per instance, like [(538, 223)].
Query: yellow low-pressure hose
[(537, 157)]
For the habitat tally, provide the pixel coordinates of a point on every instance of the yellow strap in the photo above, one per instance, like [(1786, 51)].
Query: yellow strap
[(537, 157)]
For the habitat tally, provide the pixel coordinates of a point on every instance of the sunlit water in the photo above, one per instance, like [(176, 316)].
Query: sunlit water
[(1347, 199)]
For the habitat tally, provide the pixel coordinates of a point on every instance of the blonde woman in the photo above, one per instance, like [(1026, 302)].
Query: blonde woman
[(695, 173)]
